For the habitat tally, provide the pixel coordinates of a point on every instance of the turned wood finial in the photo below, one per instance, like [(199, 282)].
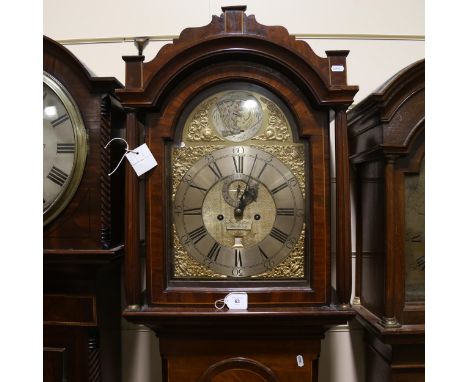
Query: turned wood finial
[(141, 43)]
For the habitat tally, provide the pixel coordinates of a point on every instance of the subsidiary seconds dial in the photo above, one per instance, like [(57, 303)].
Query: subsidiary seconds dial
[(239, 211)]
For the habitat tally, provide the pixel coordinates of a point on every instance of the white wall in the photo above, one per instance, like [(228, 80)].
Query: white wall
[(383, 37)]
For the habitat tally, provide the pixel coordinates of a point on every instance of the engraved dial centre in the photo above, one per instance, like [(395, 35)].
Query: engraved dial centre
[(221, 200)]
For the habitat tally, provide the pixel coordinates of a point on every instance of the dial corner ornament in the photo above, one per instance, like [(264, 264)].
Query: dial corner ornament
[(64, 147)]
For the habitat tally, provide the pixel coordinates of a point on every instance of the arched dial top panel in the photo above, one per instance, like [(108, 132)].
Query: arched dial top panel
[(238, 188), (244, 112)]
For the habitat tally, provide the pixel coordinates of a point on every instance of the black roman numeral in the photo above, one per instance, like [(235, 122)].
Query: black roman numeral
[(238, 163), (261, 171), (197, 234), (60, 120), (279, 235), (214, 252), (214, 167), (57, 176), (285, 211), (199, 188), (421, 262), (192, 211), (279, 188), (238, 260), (65, 148), (263, 253)]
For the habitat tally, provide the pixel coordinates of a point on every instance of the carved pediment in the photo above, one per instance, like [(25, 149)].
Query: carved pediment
[(236, 36)]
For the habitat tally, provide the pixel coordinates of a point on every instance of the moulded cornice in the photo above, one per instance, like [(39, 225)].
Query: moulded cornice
[(94, 84), (386, 99), (235, 36)]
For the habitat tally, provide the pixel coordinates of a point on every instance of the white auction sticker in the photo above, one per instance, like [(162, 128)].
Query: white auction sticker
[(236, 301), (337, 68)]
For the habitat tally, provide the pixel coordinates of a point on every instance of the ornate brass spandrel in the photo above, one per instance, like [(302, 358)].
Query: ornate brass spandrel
[(277, 128), (187, 267), (292, 267), (183, 158), (199, 128)]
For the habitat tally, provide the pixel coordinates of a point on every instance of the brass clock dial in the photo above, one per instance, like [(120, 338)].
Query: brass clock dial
[(238, 188), (239, 211), (64, 147)]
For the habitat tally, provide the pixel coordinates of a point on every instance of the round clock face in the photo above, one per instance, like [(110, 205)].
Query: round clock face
[(64, 147), (239, 211)]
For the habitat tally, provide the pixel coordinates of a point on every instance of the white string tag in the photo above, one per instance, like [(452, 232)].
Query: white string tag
[(234, 301), (141, 159)]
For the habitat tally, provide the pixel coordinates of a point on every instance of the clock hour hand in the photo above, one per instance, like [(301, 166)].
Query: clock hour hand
[(248, 196)]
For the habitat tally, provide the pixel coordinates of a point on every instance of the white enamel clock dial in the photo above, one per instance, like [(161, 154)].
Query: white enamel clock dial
[(239, 211), (64, 147)]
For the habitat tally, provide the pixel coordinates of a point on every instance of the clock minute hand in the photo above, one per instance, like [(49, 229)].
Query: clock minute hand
[(247, 187), (244, 200)]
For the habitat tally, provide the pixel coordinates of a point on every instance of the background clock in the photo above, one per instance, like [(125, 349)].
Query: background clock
[(64, 145), (387, 146), (83, 221)]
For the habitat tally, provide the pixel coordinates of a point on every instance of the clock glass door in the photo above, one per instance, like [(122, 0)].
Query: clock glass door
[(238, 188)]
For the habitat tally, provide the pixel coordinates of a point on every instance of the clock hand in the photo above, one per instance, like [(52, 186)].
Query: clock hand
[(247, 187), (249, 194), (251, 170)]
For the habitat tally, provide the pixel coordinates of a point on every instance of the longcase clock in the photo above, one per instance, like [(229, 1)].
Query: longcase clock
[(237, 115), (387, 150), (83, 221)]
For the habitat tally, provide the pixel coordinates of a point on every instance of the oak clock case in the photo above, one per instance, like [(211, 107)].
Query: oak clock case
[(238, 189), (64, 147)]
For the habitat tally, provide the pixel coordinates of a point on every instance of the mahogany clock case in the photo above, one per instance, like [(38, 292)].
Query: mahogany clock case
[(235, 49), (387, 150), (83, 244), (287, 313)]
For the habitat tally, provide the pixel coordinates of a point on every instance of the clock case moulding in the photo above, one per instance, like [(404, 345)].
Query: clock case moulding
[(386, 140), (82, 246), (234, 47)]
